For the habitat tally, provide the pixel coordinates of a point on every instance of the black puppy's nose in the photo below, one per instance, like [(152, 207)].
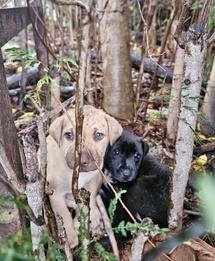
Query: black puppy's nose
[(126, 173)]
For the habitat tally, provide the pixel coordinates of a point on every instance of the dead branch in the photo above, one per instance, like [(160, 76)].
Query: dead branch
[(107, 225), (211, 39), (63, 237), (71, 2), (184, 15), (43, 164)]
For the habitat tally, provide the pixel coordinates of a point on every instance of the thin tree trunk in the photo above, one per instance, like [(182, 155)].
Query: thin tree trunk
[(172, 123), (195, 52), (208, 107), (115, 39)]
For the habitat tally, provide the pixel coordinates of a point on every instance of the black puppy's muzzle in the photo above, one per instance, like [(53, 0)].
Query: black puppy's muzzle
[(126, 174)]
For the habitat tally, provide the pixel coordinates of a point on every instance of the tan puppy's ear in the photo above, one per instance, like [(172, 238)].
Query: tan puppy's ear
[(55, 129), (114, 129)]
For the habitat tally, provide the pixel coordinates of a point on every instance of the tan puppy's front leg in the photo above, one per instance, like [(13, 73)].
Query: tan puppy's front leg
[(95, 215), (59, 207)]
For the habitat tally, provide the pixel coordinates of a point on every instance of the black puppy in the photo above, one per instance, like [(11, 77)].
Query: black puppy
[(146, 180)]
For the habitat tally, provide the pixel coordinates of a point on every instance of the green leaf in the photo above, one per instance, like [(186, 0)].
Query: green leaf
[(113, 203)]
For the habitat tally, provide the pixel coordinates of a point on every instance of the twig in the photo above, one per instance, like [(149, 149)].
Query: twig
[(63, 237), (43, 164), (110, 185), (138, 244), (63, 108), (71, 2), (42, 40), (49, 115), (211, 39), (108, 226), (184, 14)]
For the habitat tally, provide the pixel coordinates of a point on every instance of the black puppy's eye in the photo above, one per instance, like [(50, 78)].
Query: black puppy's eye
[(116, 152), (137, 155), (98, 136), (69, 135)]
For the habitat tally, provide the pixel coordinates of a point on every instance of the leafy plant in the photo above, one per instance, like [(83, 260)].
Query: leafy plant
[(8, 199), (113, 203), (83, 234), (131, 227), (156, 114), (106, 256), (135, 227), (30, 59)]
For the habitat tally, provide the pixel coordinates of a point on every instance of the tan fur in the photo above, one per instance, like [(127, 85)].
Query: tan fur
[(99, 129)]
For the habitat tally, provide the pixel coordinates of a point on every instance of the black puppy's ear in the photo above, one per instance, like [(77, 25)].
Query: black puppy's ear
[(145, 148)]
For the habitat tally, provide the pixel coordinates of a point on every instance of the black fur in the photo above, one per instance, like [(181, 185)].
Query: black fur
[(146, 180)]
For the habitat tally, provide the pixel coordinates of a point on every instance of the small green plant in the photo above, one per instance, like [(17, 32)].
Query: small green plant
[(17, 247), (157, 97), (157, 114), (113, 203), (106, 256), (8, 199), (30, 59), (131, 227), (135, 227), (83, 234), (195, 133)]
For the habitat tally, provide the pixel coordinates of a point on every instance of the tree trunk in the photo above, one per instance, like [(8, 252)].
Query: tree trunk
[(114, 33), (195, 52), (172, 123), (208, 107)]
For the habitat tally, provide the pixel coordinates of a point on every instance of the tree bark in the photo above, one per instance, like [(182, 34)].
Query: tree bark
[(114, 33), (195, 52), (172, 122), (208, 107)]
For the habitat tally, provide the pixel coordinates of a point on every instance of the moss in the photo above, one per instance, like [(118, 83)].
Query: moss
[(7, 216)]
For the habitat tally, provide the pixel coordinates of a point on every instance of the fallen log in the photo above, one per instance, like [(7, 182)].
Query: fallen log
[(209, 147), (32, 77), (65, 91), (163, 72)]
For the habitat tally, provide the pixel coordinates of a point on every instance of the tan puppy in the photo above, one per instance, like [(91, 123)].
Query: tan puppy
[(99, 129)]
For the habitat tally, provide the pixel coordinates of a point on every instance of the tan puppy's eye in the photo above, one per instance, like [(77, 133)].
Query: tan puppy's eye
[(98, 136), (69, 136)]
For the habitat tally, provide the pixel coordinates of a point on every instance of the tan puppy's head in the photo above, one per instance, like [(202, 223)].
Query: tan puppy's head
[(99, 129), (62, 131)]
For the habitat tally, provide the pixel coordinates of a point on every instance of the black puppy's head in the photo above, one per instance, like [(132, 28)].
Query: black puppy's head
[(124, 158)]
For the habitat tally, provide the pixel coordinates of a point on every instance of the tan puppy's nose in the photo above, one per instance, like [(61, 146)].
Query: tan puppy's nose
[(85, 160)]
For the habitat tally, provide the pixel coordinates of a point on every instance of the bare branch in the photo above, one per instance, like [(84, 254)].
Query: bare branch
[(206, 12), (184, 14), (211, 39), (9, 170), (108, 226), (71, 2)]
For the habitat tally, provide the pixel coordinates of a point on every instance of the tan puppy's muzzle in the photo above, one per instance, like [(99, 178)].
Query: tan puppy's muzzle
[(87, 164)]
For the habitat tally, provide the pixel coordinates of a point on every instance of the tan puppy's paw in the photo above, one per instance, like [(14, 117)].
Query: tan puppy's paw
[(72, 239), (96, 223)]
